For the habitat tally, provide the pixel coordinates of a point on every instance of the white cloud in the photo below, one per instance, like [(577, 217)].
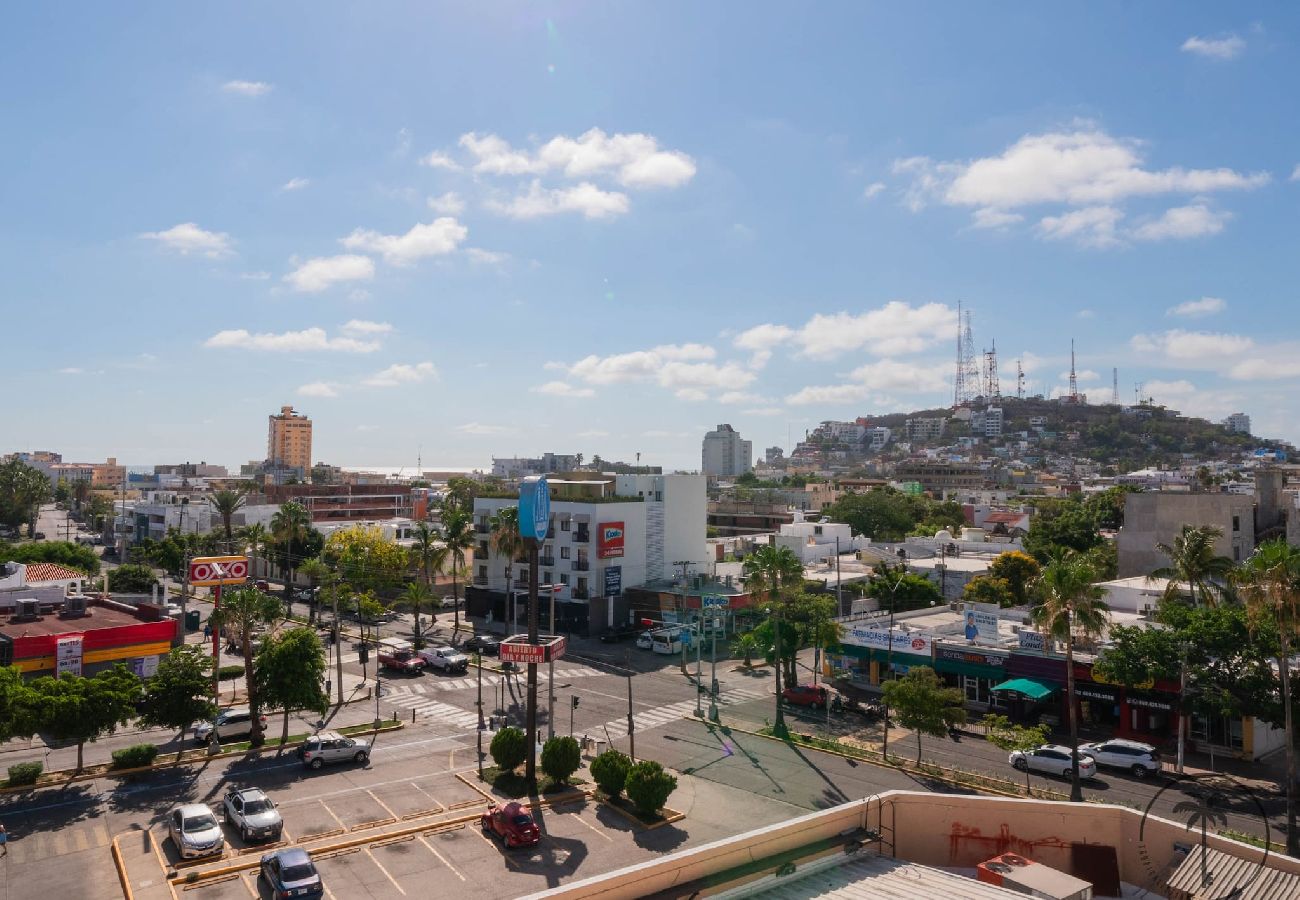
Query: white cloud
[(323, 272), (762, 339), (894, 328), (1085, 167), (1196, 220), (828, 395), (295, 184), (1195, 309), (187, 238), (562, 389), (436, 160), (684, 351), (1192, 346), (1085, 314), (991, 217), (479, 428), (361, 326), (71, 370), (1222, 48), (1295, 173), (247, 88), (1092, 226), (401, 373), (307, 340), (873, 189), (318, 389), (437, 238), (1030, 362), (736, 397), (896, 375), (633, 160), (1080, 375), (449, 204), (584, 198), (675, 367), (486, 257)]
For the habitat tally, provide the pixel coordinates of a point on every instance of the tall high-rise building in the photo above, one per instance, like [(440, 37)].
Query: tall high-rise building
[(288, 440), (1237, 423), (725, 453)]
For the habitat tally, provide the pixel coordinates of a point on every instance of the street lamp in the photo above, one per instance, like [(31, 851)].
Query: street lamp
[(889, 647)]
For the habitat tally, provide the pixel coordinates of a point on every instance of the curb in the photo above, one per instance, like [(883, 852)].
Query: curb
[(122, 877), (670, 816)]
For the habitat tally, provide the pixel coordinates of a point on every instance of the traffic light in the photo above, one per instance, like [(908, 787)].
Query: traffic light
[(575, 701)]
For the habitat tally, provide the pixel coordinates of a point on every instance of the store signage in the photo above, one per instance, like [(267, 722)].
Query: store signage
[(1032, 640), (211, 571), (609, 540), (714, 601), (879, 639), (145, 666), (981, 620), (954, 654), (1149, 703), (1094, 693), (518, 650), (68, 655), (613, 581), (534, 508)]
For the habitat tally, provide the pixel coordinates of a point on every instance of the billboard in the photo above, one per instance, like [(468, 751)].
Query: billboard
[(68, 655), (613, 581), (879, 639), (980, 622), (609, 540), (209, 571)]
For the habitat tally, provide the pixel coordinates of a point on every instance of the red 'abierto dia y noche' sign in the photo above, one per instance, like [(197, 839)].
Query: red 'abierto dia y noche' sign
[(609, 540)]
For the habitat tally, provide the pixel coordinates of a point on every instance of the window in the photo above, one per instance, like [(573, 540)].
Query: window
[(564, 578), (582, 584), (1236, 554), (546, 578), (564, 524), (1236, 523), (817, 529), (564, 553)]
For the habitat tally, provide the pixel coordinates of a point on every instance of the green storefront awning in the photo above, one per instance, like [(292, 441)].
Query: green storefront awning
[(1030, 687)]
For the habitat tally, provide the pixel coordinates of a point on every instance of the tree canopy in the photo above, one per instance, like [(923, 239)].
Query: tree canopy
[(923, 704), (290, 673), (365, 558), (180, 692)]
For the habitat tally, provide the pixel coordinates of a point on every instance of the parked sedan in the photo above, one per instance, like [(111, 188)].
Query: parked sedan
[(814, 695), (482, 643), (195, 831), (512, 824), (1052, 759), (1139, 759), (291, 873)]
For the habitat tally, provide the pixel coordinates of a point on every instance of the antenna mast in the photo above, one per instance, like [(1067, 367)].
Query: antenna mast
[(959, 376), (1074, 380), (1114, 389), (1020, 381), (992, 390), (970, 369)]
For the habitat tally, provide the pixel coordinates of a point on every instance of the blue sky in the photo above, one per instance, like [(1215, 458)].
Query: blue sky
[(502, 228)]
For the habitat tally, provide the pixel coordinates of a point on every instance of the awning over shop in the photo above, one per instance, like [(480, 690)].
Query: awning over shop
[(1030, 687)]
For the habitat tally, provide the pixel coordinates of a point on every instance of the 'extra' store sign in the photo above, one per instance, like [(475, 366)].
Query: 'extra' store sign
[(878, 639)]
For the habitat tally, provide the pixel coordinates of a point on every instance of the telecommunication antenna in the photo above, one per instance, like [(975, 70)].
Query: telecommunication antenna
[(1114, 388), (1020, 381), (992, 389), (970, 368), (1074, 380), (959, 375)]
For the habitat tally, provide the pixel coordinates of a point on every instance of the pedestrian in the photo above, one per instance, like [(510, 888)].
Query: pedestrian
[(4, 841)]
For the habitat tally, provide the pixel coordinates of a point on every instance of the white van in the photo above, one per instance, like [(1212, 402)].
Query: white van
[(666, 640)]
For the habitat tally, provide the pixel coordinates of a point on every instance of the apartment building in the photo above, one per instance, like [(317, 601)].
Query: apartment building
[(725, 453), (351, 502), (941, 478), (608, 533), (288, 441), (1155, 517), (1237, 423)]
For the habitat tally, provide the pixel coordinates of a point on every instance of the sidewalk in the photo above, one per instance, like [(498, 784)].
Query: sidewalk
[(135, 853)]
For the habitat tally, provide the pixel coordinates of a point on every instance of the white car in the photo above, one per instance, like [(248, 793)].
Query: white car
[(445, 659), (644, 641), (1053, 759), (1137, 758), (230, 723), (448, 603), (195, 831)]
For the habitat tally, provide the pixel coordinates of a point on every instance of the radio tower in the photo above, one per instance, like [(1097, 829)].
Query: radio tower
[(970, 368), (1074, 381), (959, 377), (1020, 381), (1114, 389), (992, 390)]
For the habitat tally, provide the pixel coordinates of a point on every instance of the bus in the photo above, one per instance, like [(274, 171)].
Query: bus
[(666, 640)]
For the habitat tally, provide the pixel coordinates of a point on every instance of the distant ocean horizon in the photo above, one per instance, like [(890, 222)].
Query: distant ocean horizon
[(378, 470)]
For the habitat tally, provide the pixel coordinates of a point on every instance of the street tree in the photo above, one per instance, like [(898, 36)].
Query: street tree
[(924, 704), (1193, 562), (1018, 570), (1057, 525), (508, 748), (899, 590), (1011, 737), (1270, 585), (132, 578), (429, 553), (242, 612), (22, 491), (772, 572), (316, 572), (180, 692), (226, 503), (290, 673), (561, 757), (65, 553), (415, 596), (255, 538), (292, 532), (16, 706), (77, 709), (648, 786), (883, 514), (365, 558), (1069, 604), (988, 589), (458, 536)]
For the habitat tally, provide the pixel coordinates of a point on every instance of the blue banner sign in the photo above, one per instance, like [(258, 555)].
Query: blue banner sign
[(534, 508)]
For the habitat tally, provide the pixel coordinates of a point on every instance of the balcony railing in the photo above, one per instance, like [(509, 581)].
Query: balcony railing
[(581, 565), (481, 580), (482, 528), (579, 594), (546, 561), (582, 536)]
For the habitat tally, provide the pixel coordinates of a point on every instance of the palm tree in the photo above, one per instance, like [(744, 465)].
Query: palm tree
[(458, 536), (315, 571), (428, 552), (1270, 586), (770, 570), (255, 536), (1070, 603), (508, 542), (1193, 561), (227, 502), (289, 526), (242, 611), (415, 594)]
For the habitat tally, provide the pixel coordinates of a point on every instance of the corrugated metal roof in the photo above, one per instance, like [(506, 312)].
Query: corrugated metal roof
[(1227, 874), (869, 876)]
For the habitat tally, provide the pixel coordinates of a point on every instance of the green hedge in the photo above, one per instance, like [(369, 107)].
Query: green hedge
[(225, 673), (135, 756), (25, 773)]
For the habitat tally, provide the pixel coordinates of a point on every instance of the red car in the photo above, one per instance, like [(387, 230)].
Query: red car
[(814, 695), (512, 824)]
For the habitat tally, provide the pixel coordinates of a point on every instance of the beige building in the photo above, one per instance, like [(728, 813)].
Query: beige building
[(288, 441), (1157, 517), (107, 474)]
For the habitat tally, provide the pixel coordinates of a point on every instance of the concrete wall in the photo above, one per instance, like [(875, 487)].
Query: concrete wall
[(1153, 518)]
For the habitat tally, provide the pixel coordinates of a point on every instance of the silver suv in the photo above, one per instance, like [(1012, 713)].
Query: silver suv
[(253, 813), (332, 747), (1117, 753)]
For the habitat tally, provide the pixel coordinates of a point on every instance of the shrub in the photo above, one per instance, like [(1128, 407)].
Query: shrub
[(561, 757), (25, 773), (134, 756), (225, 673), (509, 748), (131, 578), (610, 771), (648, 787)]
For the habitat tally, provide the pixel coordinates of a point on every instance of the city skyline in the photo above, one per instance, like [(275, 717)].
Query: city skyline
[(458, 233)]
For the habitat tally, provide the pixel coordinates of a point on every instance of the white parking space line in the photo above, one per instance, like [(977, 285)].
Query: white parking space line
[(250, 883), (332, 816), (441, 858), (590, 827), (383, 804), (441, 805), (387, 874)]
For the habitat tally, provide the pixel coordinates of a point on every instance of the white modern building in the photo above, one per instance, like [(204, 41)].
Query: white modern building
[(1237, 423), (608, 533), (816, 540), (725, 453)]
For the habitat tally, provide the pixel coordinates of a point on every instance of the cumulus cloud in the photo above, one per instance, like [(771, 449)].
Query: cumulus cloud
[(401, 373), (828, 395), (873, 189), (675, 367), (1195, 309), (562, 389), (1295, 173), (323, 272), (1092, 226), (449, 204), (187, 238), (486, 257), (1192, 346), (761, 340), (318, 389), (295, 184), (894, 328), (632, 160), (897, 375), (361, 326), (307, 340), (1221, 48), (436, 160), (1182, 222), (436, 238), (246, 88), (993, 218), (585, 198)]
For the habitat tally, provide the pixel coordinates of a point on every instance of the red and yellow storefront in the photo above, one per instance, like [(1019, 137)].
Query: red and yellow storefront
[(100, 648)]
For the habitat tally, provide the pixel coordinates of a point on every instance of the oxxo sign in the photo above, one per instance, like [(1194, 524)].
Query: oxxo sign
[(534, 508), (209, 571)]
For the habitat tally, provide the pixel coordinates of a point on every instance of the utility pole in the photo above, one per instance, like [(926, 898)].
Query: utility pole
[(530, 767), (1182, 714), (550, 675), (889, 648), (631, 725), (338, 639), (699, 673), (839, 601), (713, 677), (478, 662)]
